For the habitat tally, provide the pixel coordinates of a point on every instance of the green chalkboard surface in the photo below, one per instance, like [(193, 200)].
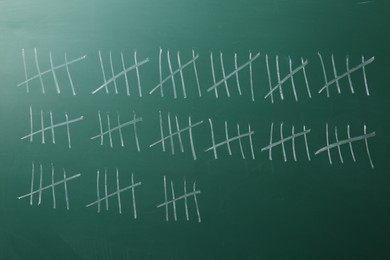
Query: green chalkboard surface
[(194, 129)]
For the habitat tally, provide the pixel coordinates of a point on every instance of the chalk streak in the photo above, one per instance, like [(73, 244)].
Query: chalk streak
[(126, 79), (338, 146), (281, 138), (69, 76), (118, 193), (52, 186), (54, 74), (173, 201), (271, 145), (66, 190), (324, 72), (335, 74), (305, 77), (237, 78), (227, 138), (213, 73), (196, 74), (179, 134), (269, 78), (350, 144), (171, 73), (224, 75), (32, 183), (39, 70), (170, 134), (25, 71), (135, 130), (251, 78), (137, 72), (292, 79), (349, 76), (113, 73), (181, 76), (368, 150)]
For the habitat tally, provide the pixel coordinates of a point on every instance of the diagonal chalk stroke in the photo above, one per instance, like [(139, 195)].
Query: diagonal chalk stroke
[(229, 140), (282, 81), (40, 74), (49, 186), (348, 141), (114, 77), (285, 139), (348, 72), (215, 85), (335, 74), (173, 73)]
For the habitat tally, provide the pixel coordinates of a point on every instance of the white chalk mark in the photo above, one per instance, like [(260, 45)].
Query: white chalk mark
[(160, 72), (170, 134), (135, 120), (365, 78), (52, 186), (185, 200), (306, 143), (233, 72), (173, 201), (69, 77), (179, 134), (237, 78), (101, 128), (278, 74), (113, 73), (240, 142), (105, 84), (42, 127), (305, 77), (250, 141), (360, 66), (196, 203), (31, 125), (271, 145), (281, 138), (118, 193), (126, 79), (292, 79), (213, 73), (349, 76), (32, 181), (166, 199), (98, 190), (213, 139), (181, 76), (54, 74), (293, 144), (281, 82), (350, 144), (39, 70), (269, 78), (53, 138), (120, 131), (133, 196), (342, 142), (40, 184), (137, 72), (196, 74), (162, 134), (105, 188), (191, 138), (40, 74), (270, 142), (25, 71), (171, 76), (335, 74), (224, 75), (103, 73), (324, 72), (39, 191), (227, 138), (338, 146), (365, 2), (327, 144), (68, 130), (171, 73), (251, 78), (66, 191), (366, 142)]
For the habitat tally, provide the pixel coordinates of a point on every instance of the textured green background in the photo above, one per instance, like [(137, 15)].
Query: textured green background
[(251, 209)]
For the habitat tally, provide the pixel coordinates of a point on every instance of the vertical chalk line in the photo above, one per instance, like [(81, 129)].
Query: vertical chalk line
[(103, 73), (120, 130), (327, 143), (237, 78), (32, 183), (240, 142), (162, 133), (39, 70), (66, 190), (53, 138), (223, 74), (160, 73), (43, 127), (213, 73), (324, 72), (251, 78), (179, 134), (292, 79), (269, 78), (126, 79), (293, 143), (52, 186), (250, 141), (25, 71), (213, 139), (109, 129), (31, 125), (191, 139), (270, 142), (350, 144), (171, 72), (335, 74), (306, 144), (349, 75), (196, 203), (54, 74), (181, 76), (40, 184), (368, 150), (113, 73), (279, 80), (365, 77), (133, 196), (227, 138), (69, 76), (118, 192), (135, 131), (305, 77), (98, 190), (68, 130), (166, 199), (105, 188), (185, 200), (338, 146), (101, 128), (138, 77), (196, 74), (281, 138), (173, 201), (170, 134)]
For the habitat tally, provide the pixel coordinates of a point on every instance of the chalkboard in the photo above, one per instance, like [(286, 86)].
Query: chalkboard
[(194, 129)]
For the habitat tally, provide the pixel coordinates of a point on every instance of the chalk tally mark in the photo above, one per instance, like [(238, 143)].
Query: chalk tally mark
[(348, 141), (118, 128), (234, 74), (174, 199), (51, 186), (288, 78), (123, 73), (283, 139), (51, 128), (53, 70), (179, 132), (117, 193), (229, 139), (177, 72), (337, 77)]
